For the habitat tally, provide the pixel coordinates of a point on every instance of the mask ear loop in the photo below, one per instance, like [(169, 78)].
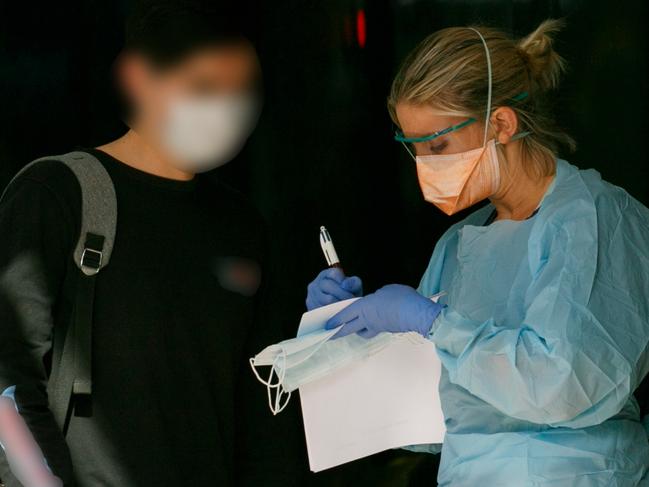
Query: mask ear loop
[(268, 383), (274, 408), (414, 158), (279, 407), (275, 404), (489, 89)]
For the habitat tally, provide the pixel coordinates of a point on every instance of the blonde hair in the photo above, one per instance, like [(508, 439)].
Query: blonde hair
[(448, 70)]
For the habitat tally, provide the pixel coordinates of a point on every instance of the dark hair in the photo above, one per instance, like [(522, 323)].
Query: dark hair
[(166, 31)]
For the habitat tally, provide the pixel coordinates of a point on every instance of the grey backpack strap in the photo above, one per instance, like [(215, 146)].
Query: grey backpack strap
[(71, 380), (98, 208)]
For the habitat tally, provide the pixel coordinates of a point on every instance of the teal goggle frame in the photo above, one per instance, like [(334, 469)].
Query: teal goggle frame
[(400, 137)]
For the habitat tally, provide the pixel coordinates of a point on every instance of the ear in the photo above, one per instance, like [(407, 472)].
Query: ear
[(132, 73), (505, 123)]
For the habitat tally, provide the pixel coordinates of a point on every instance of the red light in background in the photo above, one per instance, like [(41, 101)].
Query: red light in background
[(361, 28)]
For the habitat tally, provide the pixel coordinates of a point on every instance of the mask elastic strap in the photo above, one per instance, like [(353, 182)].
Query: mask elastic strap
[(280, 377), (275, 404), (269, 389), (279, 407), (486, 48), (254, 370), (414, 158)]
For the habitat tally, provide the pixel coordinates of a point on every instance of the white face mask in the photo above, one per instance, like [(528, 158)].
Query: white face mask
[(202, 133)]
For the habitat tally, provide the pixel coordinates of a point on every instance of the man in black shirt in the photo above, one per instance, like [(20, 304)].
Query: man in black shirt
[(180, 306)]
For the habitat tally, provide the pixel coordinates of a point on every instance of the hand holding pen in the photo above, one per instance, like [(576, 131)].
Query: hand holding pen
[(332, 285)]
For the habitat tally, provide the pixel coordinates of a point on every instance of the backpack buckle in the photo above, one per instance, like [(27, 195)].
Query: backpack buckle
[(91, 261)]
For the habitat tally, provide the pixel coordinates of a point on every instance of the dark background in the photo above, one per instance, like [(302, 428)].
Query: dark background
[(323, 152)]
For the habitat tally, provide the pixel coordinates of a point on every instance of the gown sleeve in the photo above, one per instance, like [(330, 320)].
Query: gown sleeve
[(580, 351)]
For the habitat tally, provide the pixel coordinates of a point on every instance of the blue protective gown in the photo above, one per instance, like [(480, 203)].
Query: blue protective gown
[(544, 341)]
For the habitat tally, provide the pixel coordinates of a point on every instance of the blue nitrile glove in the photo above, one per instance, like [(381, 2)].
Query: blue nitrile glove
[(332, 286), (395, 308)]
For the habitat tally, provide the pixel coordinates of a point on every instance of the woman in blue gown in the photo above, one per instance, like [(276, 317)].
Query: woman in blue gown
[(544, 328)]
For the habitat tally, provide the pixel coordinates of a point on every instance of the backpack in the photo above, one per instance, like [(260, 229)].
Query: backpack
[(70, 382)]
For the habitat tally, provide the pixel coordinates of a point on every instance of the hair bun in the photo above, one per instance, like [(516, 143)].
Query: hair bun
[(543, 62)]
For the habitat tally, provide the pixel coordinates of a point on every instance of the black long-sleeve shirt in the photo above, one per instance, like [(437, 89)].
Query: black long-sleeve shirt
[(177, 313)]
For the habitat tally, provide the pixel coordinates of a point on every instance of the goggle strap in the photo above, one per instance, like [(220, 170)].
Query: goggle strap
[(520, 97), (517, 136)]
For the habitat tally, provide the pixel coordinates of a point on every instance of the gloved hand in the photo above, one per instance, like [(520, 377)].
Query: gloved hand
[(394, 308), (332, 286)]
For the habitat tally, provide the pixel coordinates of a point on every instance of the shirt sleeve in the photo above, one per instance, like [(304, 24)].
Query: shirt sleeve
[(580, 351), (35, 244)]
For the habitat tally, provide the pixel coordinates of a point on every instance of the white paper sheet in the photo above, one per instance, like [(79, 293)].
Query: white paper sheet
[(389, 400)]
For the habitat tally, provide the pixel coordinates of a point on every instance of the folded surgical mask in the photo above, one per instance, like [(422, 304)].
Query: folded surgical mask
[(312, 355), (205, 132)]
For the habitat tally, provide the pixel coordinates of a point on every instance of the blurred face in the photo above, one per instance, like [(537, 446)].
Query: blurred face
[(423, 120), (209, 71), (199, 111)]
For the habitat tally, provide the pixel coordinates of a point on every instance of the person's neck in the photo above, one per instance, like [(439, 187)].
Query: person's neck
[(133, 150), (520, 195)]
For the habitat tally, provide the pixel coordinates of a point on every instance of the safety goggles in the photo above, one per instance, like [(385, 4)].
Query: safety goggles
[(400, 137), (412, 144), (418, 145)]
